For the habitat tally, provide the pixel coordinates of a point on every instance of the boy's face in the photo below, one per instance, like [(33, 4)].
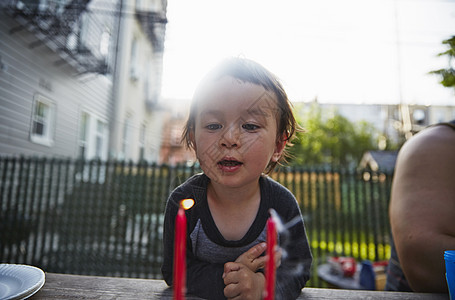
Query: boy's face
[(235, 134)]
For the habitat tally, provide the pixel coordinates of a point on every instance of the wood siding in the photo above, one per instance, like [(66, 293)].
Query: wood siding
[(27, 72)]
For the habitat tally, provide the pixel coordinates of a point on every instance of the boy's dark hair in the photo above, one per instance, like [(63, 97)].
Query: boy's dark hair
[(250, 71)]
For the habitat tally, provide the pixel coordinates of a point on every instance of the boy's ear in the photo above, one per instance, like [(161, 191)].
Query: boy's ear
[(279, 148)]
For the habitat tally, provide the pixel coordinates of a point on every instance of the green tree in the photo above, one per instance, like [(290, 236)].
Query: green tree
[(334, 140), (448, 75)]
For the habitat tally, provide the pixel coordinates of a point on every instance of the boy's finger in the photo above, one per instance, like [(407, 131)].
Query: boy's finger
[(253, 253), (259, 262), (229, 267)]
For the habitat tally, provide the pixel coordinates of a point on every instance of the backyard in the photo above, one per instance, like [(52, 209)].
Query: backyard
[(105, 218)]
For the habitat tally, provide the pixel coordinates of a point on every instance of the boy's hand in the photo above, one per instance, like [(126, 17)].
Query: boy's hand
[(242, 283), (241, 277), (252, 258)]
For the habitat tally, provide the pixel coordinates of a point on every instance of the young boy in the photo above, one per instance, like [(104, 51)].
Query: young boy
[(240, 121)]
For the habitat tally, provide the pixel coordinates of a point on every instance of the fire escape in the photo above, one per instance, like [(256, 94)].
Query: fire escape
[(154, 25), (58, 24)]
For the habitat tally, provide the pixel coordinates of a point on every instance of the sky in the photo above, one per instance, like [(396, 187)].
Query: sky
[(338, 51)]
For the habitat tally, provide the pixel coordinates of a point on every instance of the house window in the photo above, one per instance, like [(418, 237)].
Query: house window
[(43, 121), (93, 137), (83, 135), (105, 42), (134, 61), (83, 33), (127, 135), (142, 142), (139, 5), (100, 139), (53, 6)]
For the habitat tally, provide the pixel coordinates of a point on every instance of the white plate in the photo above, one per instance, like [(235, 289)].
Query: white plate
[(19, 281)]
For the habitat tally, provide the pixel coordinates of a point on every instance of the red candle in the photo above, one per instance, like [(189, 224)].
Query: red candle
[(179, 282), (270, 268)]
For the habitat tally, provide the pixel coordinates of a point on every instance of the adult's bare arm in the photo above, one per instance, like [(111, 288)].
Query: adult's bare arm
[(422, 208)]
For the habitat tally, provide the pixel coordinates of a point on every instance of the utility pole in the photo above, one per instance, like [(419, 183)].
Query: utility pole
[(114, 124), (406, 124)]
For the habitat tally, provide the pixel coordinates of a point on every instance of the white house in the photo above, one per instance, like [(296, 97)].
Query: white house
[(138, 118), (55, 94), (81, 78)]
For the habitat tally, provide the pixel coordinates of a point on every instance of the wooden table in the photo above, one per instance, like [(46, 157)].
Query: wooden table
[(63, 286)]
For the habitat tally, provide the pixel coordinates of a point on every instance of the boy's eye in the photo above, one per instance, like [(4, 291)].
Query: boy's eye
[(213, 126), (250, 127)]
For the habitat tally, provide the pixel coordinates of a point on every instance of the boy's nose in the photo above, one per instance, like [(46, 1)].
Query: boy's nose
[(230, 137)]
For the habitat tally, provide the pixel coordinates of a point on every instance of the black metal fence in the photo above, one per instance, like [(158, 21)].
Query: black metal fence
[(106, 218)]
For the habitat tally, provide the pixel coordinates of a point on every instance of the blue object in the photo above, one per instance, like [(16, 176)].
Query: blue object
[(449, 257), (367, 276)]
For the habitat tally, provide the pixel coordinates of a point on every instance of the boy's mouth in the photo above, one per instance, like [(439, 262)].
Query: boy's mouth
[(229, 163)]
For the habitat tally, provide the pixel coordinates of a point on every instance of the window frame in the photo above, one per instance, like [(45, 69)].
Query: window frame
[(47, 138), (134, 60), (101, 139), (127, 138), (91, 139)]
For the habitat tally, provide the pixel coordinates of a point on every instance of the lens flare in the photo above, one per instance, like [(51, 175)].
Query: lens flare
[(187, 203)]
